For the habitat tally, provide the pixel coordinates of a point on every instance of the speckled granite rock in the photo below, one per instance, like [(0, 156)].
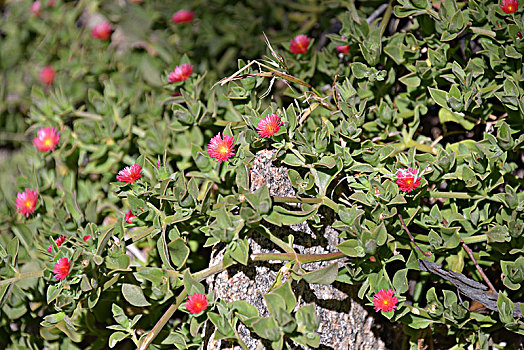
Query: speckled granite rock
[(344, 324)]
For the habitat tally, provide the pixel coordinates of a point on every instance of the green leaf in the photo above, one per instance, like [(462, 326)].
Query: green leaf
[(448, 116), (439, 96), (178, 251), (400, 281), (351, 248), (134, 295), (116, 337), (326, 275), (411, 80)]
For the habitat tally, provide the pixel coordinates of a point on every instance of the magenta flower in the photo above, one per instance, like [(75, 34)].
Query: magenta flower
[(26, 201), (36, 8), (86, 238), (61, 268), (130, 174), (299, 44), (58, 242), (47, 75), (196, 303), (509, 6), (183, 16), (129, 217), (384, 300), (344, 49), (46, 139), (180, 73), (269, 125), (221, 147), (407, 179), (102, 31)]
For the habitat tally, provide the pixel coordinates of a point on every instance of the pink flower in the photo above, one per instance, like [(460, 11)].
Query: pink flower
[(51, 3), (61, 268), (58, 242), (180, 73), (130, 174), (102, 31), (36, 8), (299, 44), (46, 139), (407, 179), (26, 201), (86, 238), (221, 147), (196, 303), (344, 49), (183, 16), (129, 217), (509, 6), (384, 300), (269, 125), (47, 75)]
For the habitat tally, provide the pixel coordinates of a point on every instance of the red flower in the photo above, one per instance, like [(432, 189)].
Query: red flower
[(102, 31), (130, 174), (180, 73), (269, 125), (129, 217), (509, 6), (86, 238), (407, 179), (51, 3), (221, 147), (384, 300), (46, 139), (58, 242), (182, 16), (61, 268), (196, 302), (36, 8), (344, 49), (299, 44), (26, 201), (47, 75)]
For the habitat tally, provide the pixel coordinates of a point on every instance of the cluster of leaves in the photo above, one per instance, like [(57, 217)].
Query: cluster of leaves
[(349, 122)]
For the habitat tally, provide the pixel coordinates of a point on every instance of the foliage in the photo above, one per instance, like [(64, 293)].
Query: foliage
[(429, 87)]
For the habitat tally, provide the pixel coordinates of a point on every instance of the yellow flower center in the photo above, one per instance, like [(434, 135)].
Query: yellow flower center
[(385, 302), (47, 141), (223, 150), (409, 181), (28, 204)]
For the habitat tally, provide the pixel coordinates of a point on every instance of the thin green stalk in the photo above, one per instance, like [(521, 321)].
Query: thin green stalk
[(301, 258), (457, 195), (21, 276), (162, 321), (385, 19), (171, 310)]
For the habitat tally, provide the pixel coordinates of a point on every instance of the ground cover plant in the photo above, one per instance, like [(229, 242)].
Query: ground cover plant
[(129, 131)]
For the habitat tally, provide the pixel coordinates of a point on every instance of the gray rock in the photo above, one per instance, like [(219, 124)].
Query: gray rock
[(344, 323)]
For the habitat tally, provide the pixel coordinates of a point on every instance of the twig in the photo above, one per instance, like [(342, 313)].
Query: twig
[(430, 336), (376, 13), (479, 269), (411, 237)]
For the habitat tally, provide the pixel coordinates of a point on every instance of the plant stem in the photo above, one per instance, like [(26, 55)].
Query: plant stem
[(21, 276), (171, 310), (301, 258), (411, 237), (458, 195), (385, 19), (162, 321)]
